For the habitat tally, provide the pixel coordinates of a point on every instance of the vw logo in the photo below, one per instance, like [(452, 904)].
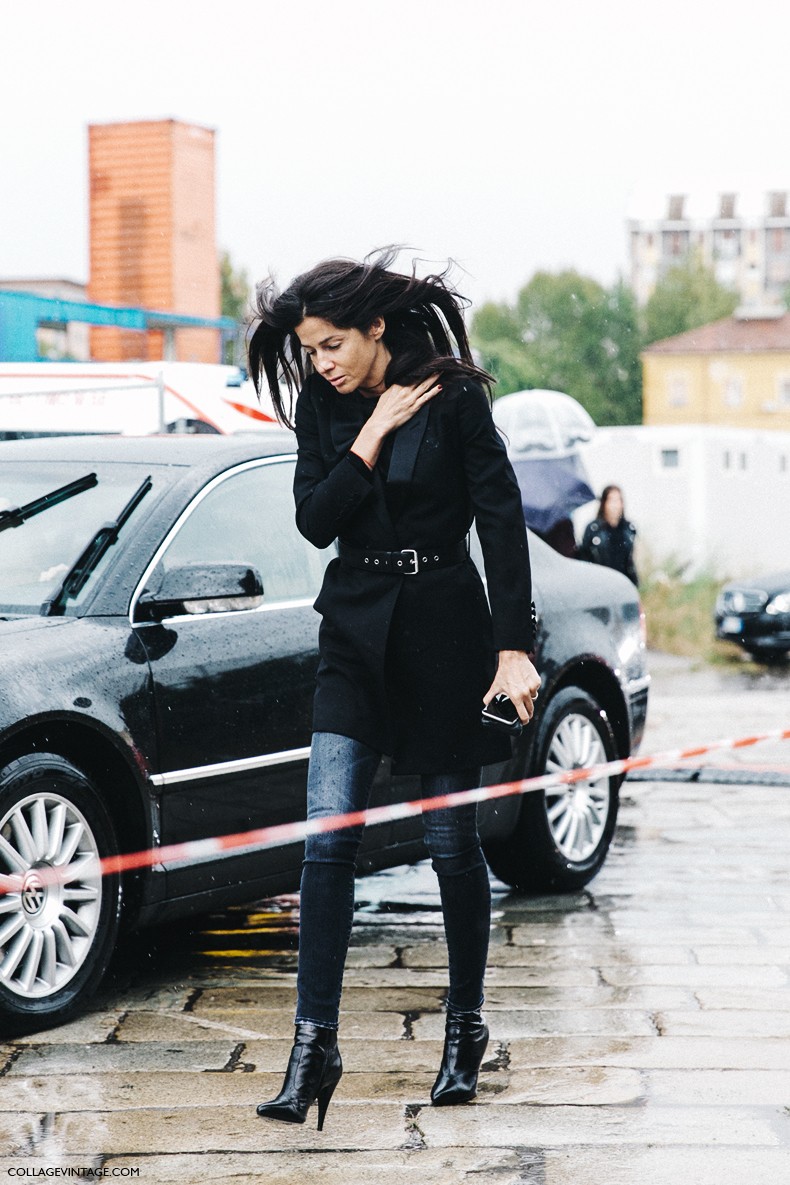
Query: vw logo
[(33, 894)]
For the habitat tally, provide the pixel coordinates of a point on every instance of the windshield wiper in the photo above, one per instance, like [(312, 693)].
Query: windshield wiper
[(78, 575), (15, 516)]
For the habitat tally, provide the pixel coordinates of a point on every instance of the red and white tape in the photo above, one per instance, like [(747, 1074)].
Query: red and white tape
[(198, 850)]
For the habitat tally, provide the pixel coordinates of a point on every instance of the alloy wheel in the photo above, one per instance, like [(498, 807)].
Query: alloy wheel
[(577, 813), (47, 925)]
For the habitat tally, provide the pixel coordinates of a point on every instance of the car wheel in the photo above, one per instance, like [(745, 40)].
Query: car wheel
[(56, 939), (562, 835)]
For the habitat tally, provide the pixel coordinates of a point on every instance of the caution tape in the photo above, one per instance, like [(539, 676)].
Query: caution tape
[(197, 851)]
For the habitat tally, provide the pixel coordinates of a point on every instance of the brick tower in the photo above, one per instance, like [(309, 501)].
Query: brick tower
[(152, 233)]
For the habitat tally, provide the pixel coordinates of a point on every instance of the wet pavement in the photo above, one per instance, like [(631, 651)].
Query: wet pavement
[(640, 1030)]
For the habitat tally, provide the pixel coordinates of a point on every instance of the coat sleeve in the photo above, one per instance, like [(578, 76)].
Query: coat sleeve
[(585, 547), (325, 497), (630, 567), (499, 515)]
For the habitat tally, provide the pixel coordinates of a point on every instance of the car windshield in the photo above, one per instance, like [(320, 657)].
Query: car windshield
[(35, 557)]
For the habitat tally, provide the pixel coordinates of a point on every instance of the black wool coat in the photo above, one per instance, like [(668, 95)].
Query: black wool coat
[(406, 660)]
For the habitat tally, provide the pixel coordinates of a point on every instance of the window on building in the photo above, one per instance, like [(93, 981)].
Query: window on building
[(783, 463), (727, 205), (726, 459), (783, 391), (674, 243), (678, 390), (743, 461), (733, 391), (670, 458), (676, 203), (777, 204), (777, 240)]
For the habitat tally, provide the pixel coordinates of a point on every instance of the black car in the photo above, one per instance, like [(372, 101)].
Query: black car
[(756, 614), (159, 648)]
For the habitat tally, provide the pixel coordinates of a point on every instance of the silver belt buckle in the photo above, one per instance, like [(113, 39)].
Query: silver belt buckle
[(411, 551)]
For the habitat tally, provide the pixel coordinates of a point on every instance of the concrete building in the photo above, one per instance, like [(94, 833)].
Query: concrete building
[(703, 498), (734, 372), (743, 236), (153, 233)]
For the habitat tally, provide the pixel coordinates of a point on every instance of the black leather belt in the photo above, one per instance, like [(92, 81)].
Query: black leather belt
[(407, 562)]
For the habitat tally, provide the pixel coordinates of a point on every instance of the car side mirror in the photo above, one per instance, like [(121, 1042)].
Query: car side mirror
[(202, 588)]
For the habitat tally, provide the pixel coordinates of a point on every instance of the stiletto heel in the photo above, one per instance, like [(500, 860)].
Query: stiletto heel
[(465, 1043), (314, 1070), (324, 1099)]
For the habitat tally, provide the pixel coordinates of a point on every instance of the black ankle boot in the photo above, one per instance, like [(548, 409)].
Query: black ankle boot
[(465, 1041), (314, 1070)]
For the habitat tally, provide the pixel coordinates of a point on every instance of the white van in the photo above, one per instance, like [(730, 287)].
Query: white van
[(127, 398)]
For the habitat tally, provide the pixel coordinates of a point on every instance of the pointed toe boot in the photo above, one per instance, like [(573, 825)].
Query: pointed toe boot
[(465, 1043), (314, 1070)]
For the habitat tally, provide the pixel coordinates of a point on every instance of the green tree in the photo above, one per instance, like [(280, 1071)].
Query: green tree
[(688, 296), (568, 333), (235, 289)]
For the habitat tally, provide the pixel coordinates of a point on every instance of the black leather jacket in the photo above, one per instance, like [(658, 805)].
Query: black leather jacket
[(611, 546)]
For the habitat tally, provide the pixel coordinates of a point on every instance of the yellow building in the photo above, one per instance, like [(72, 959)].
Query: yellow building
[(734, 372)]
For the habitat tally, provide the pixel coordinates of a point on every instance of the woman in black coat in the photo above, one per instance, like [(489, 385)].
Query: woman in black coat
[(397, 455), (609, 538)]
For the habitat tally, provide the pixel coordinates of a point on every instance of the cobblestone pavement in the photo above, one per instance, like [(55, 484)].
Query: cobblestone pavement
[(640, 1029)]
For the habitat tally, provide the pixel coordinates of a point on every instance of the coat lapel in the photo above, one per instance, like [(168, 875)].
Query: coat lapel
[(405, 448), (407, 443)]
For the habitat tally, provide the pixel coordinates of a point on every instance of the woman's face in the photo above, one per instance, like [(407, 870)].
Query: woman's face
[(347, 358), (613, 507)]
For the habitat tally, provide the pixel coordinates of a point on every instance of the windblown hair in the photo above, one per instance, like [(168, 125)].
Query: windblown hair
[(424, 328)]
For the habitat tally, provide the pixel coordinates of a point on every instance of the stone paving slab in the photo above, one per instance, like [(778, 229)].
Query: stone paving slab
[(519, 1165), (724, 1022), (575, 1085), (758, 1000), (95, 1027), (125, 1057), (223, 1000), (561, 958), (666, 1052), (420, 1166), (249, 1024), (723, 956), (528, 976), (739, 1088), (696, 976), (633, 936), (349, 1126), (542, 1022), (642, 998), (499, 1126)]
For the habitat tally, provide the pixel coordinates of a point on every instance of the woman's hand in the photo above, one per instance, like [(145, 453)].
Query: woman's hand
[(518, 679), (395, 406)]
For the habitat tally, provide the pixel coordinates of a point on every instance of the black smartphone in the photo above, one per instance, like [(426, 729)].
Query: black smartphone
[(501, 713)]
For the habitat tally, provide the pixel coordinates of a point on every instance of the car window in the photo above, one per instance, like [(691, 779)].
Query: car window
[(37, 555), (248, 518)]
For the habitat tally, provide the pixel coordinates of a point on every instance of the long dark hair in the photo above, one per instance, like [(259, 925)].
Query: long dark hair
[(607, 490), (423, 318)]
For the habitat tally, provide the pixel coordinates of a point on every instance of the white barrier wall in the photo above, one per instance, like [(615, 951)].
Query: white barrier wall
[(715, 499)]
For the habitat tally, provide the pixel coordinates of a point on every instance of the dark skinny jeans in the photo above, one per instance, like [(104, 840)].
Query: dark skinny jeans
[(340, 777)]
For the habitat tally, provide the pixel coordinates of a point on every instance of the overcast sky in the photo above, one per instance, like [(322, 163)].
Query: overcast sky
[(507, 135)]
